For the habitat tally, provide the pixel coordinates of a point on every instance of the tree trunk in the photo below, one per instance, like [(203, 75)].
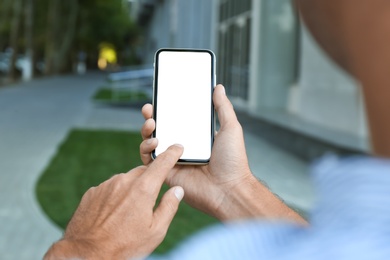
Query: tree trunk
[(15, 31), (28, 72), (5, 13), (59, 41), (66, 46), (53, 20)]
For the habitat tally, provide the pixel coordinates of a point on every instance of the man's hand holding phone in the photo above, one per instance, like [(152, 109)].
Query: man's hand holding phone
[(207, 186), (225, 188)]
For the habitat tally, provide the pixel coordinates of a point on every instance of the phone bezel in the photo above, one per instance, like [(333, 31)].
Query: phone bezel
[(193, 161)]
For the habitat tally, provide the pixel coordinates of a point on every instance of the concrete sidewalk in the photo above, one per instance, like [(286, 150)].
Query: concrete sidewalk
[(35, 118)]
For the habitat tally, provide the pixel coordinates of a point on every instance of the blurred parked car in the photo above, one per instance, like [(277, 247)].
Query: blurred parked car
[(5, 58), (4, 62)]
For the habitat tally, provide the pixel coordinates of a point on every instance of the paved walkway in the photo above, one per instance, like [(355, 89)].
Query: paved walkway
[(35, 118)]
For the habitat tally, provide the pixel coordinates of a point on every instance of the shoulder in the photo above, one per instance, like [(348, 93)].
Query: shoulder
[(351, 184)]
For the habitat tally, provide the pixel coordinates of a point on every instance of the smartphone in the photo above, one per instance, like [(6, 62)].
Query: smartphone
[(184, 81)]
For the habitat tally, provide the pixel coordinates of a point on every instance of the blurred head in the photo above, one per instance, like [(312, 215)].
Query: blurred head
[(356, 34)]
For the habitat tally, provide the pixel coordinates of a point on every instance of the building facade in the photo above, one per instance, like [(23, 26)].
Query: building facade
[(271, 67), (175, 24)]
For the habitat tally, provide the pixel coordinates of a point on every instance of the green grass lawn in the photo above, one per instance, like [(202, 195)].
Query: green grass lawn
[(106, 94), (87, 158)]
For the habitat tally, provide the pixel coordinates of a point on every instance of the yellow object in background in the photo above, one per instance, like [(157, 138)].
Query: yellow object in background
[(107, 55)]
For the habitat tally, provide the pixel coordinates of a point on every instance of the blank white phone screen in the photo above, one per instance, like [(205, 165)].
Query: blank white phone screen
[(183, 89)]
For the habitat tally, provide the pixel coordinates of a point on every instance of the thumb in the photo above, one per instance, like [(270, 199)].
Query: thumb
[(224, 107), (168, 206)]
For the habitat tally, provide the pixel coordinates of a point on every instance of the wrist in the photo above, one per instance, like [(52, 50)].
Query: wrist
[(234, 203), (62, 249), (251, 199), (68, 249)]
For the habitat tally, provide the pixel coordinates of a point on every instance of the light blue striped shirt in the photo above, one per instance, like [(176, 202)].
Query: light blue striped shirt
[(351, 221)]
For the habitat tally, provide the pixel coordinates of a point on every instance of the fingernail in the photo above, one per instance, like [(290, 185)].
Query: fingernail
[(179, 145), (150, 141), (179, 193), (223, 90)]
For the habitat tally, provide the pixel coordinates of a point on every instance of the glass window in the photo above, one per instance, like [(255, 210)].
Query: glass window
[(234, 46)]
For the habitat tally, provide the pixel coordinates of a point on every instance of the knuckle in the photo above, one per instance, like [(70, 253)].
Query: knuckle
[(117, 177), (89, 192), (234, 125), (135, 171), (145, 145), (148, 123), (145, 109), (144, 132), (144, 188), (142, 147), (117, 182), (140, 169), (166, 159), (147, 129), (238, 127), (171, 207), (161, 232)]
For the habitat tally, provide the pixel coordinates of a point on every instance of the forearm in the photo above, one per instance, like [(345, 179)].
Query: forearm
[(252, 199)]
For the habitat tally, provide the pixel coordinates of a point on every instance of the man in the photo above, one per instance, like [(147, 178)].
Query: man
[(116, 219)]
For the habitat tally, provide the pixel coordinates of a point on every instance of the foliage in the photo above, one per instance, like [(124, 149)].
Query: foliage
[(107, 94), (104, 21), (87, 158), (61, 29)]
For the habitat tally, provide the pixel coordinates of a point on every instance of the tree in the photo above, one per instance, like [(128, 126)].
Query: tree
[(60, 34), (28, 29), (55, 31), (15, 34), (5, 14), (105, 22)]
